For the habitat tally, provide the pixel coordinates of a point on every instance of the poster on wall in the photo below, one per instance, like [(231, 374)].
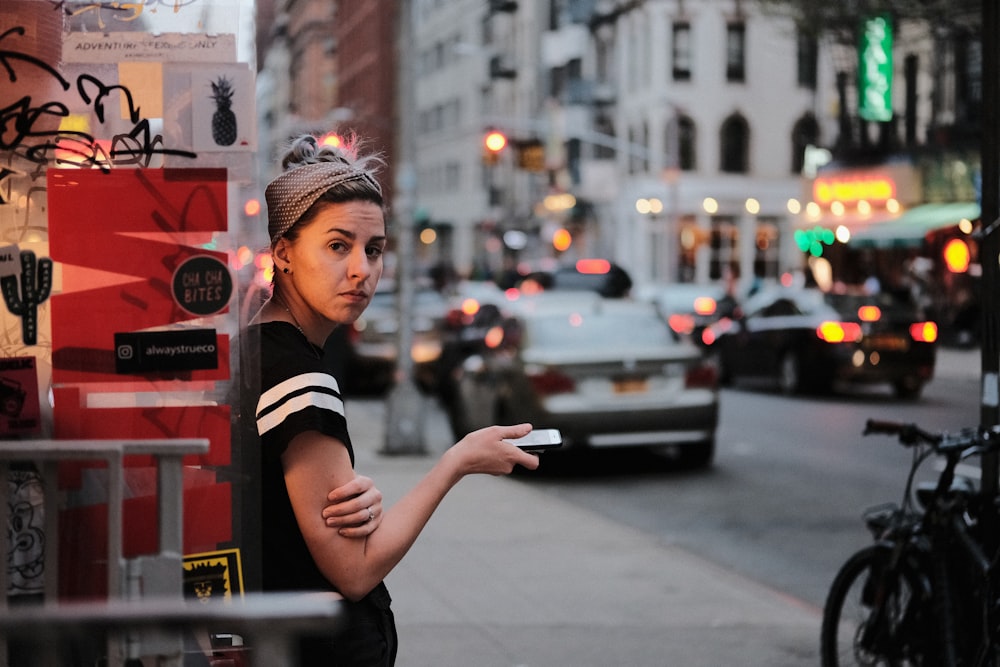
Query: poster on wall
[(222, 104), (20, 412)]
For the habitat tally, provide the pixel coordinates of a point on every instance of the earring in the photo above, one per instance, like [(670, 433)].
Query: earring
[(285, 269)]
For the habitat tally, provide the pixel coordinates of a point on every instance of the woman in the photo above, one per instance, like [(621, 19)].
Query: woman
[(326, 220)]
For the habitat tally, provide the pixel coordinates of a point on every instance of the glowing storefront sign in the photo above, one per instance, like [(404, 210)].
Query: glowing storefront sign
[(875, 69), (853, 188)]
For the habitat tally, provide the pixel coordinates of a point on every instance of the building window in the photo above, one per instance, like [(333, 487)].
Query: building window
[(807, 61), (804, 134), (679, 143), (735, 52), (688, 144), (604, 149), (765, 259), (681, 52), (638, 150), (724, 258), (735, 145)]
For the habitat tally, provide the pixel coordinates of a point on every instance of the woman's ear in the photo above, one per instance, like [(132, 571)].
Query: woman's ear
[(279, 253)]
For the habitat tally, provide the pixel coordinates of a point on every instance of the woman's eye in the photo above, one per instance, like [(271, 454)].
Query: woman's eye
[(338, 246), (375, 252)]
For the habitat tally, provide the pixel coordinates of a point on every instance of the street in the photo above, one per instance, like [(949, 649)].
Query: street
[(624, 558), (783, 502)]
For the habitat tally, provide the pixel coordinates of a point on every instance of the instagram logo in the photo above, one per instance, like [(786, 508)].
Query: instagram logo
[(125, 351)]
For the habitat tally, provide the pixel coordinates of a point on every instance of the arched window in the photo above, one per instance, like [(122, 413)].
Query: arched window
[(805, 133), (679, 143), (687, 134), (735, 158)]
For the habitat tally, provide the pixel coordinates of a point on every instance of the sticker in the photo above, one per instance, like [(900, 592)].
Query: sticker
[(20, 412), (151, 351), (202, 285), (213, 575), (10, 263)]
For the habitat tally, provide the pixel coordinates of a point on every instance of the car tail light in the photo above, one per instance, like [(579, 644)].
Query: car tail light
[(869, 313), (681, 323), (593, 266), (470, 307), (494, 337), (839, 332), (454, 319), (701, 376), (704, 305), (547, 381), (924, 332)]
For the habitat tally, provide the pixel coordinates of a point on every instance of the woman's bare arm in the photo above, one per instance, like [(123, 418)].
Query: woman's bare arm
[(314, 462)]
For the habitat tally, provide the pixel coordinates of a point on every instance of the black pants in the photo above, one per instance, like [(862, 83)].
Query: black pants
[(366, 639)]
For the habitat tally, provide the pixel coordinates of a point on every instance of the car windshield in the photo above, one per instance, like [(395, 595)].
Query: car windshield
[(609, 330)]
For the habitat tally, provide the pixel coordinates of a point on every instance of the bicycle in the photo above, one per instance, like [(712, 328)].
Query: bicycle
[(924, 593)]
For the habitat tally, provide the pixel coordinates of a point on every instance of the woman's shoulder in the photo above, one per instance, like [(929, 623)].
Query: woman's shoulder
[(280, 346)]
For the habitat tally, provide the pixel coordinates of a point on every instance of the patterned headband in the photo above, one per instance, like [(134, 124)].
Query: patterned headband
[(291, 194)]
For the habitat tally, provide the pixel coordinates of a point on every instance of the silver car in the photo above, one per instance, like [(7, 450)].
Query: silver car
[(605, 372)]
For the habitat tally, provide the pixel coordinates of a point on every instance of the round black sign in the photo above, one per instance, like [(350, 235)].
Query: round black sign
[(202, 285)]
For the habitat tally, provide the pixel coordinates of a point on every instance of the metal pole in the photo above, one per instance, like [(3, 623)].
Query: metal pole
[(989, 250), (404, 433)]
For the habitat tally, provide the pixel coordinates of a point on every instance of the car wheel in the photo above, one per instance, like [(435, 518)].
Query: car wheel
[(908, 388), (698, 455), (725, 371), (789, 374)]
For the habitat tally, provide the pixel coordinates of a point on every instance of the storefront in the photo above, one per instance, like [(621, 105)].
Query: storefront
[(127, 181), (875, 225)]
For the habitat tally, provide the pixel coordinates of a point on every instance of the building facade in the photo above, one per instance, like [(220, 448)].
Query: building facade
[(680, 139)]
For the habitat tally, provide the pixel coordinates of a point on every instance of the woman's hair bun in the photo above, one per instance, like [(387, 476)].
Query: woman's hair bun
[(306, 149)]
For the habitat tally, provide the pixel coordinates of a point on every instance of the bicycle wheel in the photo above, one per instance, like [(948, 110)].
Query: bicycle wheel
[(871, 616)]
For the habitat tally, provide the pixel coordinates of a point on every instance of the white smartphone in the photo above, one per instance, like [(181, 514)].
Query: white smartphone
[(539, 439)]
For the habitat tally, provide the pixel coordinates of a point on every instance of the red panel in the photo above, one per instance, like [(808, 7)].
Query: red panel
[(90, 203), (83, 536)]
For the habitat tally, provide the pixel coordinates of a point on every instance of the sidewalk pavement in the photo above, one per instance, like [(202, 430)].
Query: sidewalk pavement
[(505, 575)]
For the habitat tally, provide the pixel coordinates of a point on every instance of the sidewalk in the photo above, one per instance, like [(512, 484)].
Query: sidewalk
[(507, 576)]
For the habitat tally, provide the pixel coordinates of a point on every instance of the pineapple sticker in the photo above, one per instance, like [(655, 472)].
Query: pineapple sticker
[(223, 120)]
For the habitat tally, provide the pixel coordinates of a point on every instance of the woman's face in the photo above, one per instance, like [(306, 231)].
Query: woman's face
[(336, 260)]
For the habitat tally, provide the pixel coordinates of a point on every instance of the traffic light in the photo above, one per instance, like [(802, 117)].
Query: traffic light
[(331, 139), (957, 256), (494, 142)]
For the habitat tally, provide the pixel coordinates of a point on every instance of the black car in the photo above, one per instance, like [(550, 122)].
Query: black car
[(807, 340), (591, 274)]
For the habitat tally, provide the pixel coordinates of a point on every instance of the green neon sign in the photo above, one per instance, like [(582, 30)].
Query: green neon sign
[(875, 69)]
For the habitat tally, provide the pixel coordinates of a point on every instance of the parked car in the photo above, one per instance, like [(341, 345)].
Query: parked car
[(689, 308), (806, 340), (372, 341), (605, 372)]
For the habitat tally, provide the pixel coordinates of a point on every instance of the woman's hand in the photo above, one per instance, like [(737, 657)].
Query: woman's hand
[(355, 508), (488, 451)]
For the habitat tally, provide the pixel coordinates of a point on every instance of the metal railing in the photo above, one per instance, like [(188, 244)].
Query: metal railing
[(146, 613)]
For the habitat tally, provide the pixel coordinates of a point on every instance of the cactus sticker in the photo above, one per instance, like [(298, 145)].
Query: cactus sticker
[(25, 292)]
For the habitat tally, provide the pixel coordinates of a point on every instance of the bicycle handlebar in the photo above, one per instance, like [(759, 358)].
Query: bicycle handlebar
[(909, 434)]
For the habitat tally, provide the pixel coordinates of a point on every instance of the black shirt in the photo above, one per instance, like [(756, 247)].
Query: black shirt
[(298, 393)]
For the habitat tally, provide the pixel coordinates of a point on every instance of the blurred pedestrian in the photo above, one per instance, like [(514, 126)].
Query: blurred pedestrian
[(327, 223)]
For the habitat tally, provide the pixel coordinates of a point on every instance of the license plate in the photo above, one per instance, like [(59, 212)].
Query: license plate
[(630, 386), (887, 342)]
